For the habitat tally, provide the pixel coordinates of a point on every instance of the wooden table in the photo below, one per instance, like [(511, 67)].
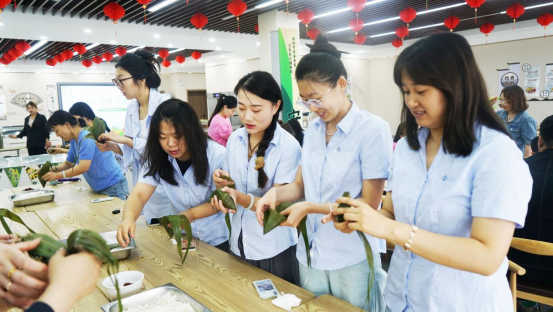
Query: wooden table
[(6, 203), (216, 279), (326, 303)]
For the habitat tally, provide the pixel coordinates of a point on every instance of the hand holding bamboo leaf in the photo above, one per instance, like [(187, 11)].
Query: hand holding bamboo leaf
[(222, 178), (219, 204)]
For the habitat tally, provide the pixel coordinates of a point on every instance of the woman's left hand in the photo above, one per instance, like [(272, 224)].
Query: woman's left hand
[(362, 217), (295, 214), (111, 136), (51, 176), (48, 144), (217, 203)]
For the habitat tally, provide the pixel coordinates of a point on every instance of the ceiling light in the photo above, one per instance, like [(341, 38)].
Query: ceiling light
[(156, 36), (43, 38), (169, 45), (397, 17), (88, 31), (410, 30), (160, 6), (345, 9), (176, 50), (38, 73), (266, 4), (35, 47), (211, 40), (133, 50), (113, 42), (258, 43), (222, 56), (92, 46), (201, 61), (2, 24), (218, 48)]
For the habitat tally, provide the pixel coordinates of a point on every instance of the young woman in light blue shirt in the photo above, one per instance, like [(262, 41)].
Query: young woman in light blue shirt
[(259, 156), (447, 210), (345, 149), (180, 159)]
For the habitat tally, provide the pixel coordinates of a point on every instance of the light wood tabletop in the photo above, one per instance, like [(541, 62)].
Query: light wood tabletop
[(6, 203), (327, 303), (216, 279)]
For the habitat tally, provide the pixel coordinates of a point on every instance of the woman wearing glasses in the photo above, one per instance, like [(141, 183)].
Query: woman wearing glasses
[(137, 78), (259, 156), (345, 149), (520, 124), (36, 131)]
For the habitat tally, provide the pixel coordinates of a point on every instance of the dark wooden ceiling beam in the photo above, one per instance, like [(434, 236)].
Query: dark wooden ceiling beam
[(28, 6), (54, 10), (36, 8)]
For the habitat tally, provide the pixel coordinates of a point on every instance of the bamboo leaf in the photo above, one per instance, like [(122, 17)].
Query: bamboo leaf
[(98, 128), (228, 202), (45, 168), (340, 218), (46, 249), (178, 223), (5, 213), (273, 218), (303, 230), (229, 224), (370, 260)]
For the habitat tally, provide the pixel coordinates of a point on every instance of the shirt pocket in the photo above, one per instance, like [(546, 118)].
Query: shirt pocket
[(514, 127)]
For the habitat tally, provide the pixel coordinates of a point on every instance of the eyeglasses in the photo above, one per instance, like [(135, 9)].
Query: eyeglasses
[(312, 102), (502, 101), (119, 82)]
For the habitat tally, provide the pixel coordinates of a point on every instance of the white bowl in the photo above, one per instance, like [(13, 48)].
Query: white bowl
[(134, 277)]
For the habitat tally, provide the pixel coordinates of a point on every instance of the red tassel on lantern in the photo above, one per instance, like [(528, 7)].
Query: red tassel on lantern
[(451, 22), (356, 25), (121, 51), (306, 16), (486, 29), (398, 43), (196, 55), (515, 11), (544, 20), (475, 4), (359, 39), (51, 62), (114, 11), (408, 15), (180, 59), (163, 53), (313, 33), (86, 63), (402, 32), (97, 59), (237, 8), (144, 6), (108, 56)]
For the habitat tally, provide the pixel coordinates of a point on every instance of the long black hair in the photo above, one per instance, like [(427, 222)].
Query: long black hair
[(263, 85), (445, 61), (84, 110), (60, 117), (187, 125), (322, 64), (229, 101), (141, 65), (298, 130)]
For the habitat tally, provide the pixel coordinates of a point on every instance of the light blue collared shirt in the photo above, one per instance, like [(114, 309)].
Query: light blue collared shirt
[(361, 149), (158, 203), (282, 158), (188, 194), (492, 182)]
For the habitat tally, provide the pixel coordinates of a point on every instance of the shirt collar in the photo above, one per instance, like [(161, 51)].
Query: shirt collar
[(243, 135), (154, 97), (347, 122)]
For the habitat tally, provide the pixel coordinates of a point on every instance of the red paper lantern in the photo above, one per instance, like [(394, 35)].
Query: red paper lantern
[(397, 43), (356, 5), (359, 39), (108, 56), (79, 48), (486, 29), (59, 58), (144, 6), (5, 62), (121, 51), (196, 55), (8, 57), (515, 11), (67, 54), (306, 16), (408, 15), (22, 46), (15, 53), (199, 20), (256, 28), (163, 53), (97, 59), (180, 59), (402, 31), (51, 62), (451, 22), (87, 63), (313, 33), (356, 25), (475, 4), (166, 63), (544, 20), (114, 11), (237, 8), (4, 4)]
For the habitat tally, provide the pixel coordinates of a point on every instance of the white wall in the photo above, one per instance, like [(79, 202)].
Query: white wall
[(221, 78), (179, 84)]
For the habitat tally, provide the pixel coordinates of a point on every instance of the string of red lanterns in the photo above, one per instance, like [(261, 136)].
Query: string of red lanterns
[(306, 16), (196, 55), (544, 20), (114, 11), (486, 29), (408, 15), (180, 59), (397, 43), (359, 39), (475, 4), (144, 6), (451, 22), (515, 11), (313, 33), (237, 8), (356, 25)]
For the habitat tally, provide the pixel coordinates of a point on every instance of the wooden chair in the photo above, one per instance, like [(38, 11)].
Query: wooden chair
[(526, 290)]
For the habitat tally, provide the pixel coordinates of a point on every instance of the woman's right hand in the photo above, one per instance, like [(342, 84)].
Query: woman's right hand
[(220, 182), (217, 203), (268, 201), (56, 150), (107, 147), (111, 136), (13, 136), (127, 227)]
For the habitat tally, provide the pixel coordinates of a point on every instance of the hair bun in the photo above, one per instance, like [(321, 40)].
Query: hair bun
[(321, 45)]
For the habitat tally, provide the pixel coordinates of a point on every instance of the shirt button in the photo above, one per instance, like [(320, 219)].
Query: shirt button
[(339, 149)]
